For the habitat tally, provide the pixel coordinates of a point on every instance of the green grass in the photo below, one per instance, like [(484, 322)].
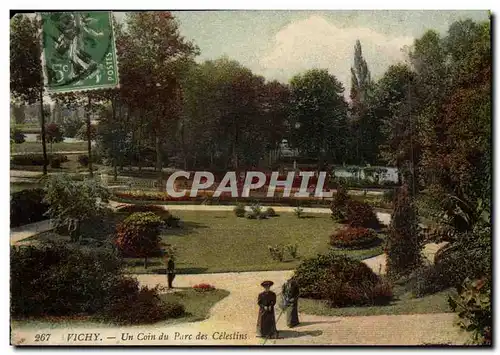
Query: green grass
[(197, 306), (36, 147), (212, 242), (19, 186), (221, 242), (403, 303)]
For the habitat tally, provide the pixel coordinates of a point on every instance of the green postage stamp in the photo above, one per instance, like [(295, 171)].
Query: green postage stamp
[(79, 51)]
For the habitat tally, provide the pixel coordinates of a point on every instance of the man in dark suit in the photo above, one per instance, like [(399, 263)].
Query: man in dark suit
[(170, 271)]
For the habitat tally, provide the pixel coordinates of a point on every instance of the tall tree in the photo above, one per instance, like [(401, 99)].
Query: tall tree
[(224, 123), (153, 56), (404, 241), (26, 75), (395, 103), (364, 129), (318, 115)]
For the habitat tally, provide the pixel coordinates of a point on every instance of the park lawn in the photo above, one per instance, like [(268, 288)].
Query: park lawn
[(403, 303), (221, 242), (36, 147), (197, 304), (197, 307)]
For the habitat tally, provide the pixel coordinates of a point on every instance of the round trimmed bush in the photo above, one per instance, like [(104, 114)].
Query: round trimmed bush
[(130, 304), (138, 235), (270, 212), (354, 238), (361, 214), (341, 282), (165, 215)]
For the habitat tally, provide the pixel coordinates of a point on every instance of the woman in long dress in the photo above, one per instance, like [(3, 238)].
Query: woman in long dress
[(266, 321), (291, 298)]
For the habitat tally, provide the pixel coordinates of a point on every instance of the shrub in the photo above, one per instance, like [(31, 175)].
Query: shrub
[(70, 126), (404, 241), (138, 235), (167, 217), (56, 280), (130, 304), (53, 133), (251, 215), (474, 307), (55, 163), (298, 211), (100, 227), (17, 136), (256, 209), (389, 195), (277, 252), (239, 210), (74, 202), (83, 160), (36, 159), (339, 205), (361, 214), (426, 280), (292, 250), (27, 206), (354, 238), (271, 212), (203, 287), (341, 282)]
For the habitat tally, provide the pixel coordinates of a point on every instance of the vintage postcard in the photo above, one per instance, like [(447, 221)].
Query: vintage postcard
[(250, 178)]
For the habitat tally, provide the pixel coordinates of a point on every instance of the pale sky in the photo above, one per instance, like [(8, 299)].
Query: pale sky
[(280, 44)]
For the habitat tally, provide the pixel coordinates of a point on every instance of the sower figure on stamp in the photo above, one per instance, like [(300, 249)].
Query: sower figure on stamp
[(170, 271), (266, 322), (290, 294)]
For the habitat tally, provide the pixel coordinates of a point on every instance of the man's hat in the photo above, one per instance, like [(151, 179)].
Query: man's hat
[(267, 284)]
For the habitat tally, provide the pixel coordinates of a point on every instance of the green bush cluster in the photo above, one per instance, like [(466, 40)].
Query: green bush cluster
[(57, 280), (341, 282), (37, 159), (27, 206), (353, 212), (239, 210), (139, 235), (167, 217), (131, 304)]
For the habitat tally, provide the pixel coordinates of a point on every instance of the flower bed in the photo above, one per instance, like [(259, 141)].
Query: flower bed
[(354, 238), (203, 287)]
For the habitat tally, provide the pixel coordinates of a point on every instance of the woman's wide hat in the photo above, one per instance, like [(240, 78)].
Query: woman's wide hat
[(267, 283)]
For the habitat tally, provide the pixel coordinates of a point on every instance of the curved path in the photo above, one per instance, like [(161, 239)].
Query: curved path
[(232, 321)]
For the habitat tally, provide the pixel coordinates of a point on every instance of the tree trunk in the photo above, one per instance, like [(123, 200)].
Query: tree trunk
[(145, 262), (158, 153), (44, 142), (115, 171), (89, 138)]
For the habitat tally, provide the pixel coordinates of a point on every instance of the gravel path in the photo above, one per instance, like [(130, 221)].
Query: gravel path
[(234, 318)]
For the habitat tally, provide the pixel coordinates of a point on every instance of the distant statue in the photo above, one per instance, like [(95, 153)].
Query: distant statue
[(290, 294), (266, 322)]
